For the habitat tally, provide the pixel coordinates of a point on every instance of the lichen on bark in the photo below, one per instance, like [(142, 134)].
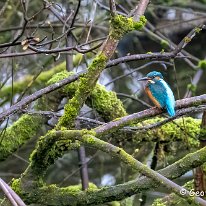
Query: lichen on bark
[(103, 101), (85, 87)]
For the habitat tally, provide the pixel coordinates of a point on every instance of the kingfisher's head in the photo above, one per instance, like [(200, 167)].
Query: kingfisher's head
[(152, 77)]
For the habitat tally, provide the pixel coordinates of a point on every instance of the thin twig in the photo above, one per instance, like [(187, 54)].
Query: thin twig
[(187, 39)]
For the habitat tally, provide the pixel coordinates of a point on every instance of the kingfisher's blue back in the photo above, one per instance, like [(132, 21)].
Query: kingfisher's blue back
[(164, 95), (159, 92)]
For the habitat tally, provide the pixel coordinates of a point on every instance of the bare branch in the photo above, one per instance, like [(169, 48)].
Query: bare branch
[(112, 7), (142, 5), (187, 39), (11, 195), (21, 104), (179, 113), (183, 103), (7, 193)]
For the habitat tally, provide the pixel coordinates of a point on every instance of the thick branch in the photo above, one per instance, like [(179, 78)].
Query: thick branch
[(175, 170)]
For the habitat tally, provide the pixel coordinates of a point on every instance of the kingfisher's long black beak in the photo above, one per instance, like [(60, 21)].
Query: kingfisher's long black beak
[(143, 79)]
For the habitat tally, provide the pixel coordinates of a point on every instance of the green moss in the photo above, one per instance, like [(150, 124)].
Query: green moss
[(197, 30), (141, 23), (26, 127), (85, 87), (92, 187), (158, 202), (98, 62), (16, 186), (192, 88), (75, 189), (202, 135), (121, 25), (106, 103), (49, 147), (186, 130), (44, 154), (164, 44), (88, 132), (45, 76), (70, 88), (54, 195), (189, 185), (88, 139), (71, 110), (149, 52), (187, 39), (202, 64), (59, 76)]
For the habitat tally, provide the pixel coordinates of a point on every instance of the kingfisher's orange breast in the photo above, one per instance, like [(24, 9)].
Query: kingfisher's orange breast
[(149, 93)]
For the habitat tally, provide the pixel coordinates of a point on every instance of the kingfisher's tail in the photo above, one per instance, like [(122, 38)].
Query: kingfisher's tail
[(170, 110)]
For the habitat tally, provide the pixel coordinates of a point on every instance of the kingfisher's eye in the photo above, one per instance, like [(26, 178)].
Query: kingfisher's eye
[(153, 77)]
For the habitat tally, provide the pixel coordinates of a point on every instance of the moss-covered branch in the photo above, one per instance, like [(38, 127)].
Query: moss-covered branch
[(50, 146), (105, 194), (173, 199), (103, 101), (177, 130), (119, 26), (18, 134), (27, 126), (117, 192)]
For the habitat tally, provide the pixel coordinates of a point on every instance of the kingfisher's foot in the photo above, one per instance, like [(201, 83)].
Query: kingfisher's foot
[(159, 109)]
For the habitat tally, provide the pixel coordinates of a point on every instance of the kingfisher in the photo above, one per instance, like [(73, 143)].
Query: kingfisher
[(159, 92)]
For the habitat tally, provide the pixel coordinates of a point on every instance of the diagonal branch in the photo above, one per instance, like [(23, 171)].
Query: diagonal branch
[(140, 9), (11, 195), (160, 55), (21, 104)]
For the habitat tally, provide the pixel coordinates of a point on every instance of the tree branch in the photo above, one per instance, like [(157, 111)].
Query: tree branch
[(11, 195), (183, 103), (91, 141), (21, 104)]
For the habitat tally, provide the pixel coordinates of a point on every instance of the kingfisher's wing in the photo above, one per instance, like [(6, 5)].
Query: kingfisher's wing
[(162, 93)]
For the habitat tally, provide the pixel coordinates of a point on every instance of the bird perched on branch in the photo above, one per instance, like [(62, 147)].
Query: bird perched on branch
[(159, 92)]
